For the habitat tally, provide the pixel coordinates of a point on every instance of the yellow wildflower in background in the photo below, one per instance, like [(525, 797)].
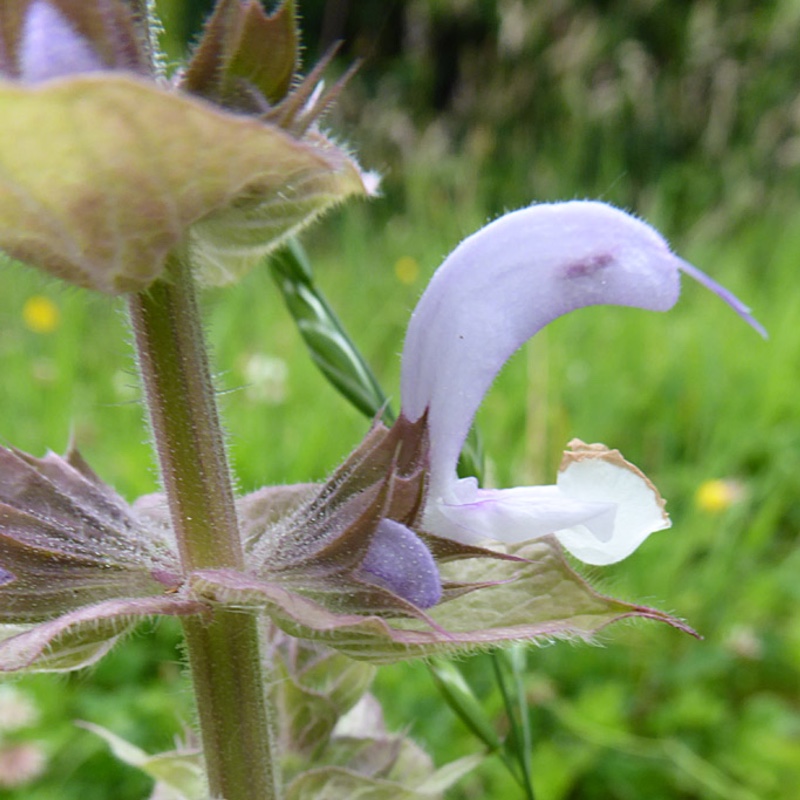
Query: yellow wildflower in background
[(41, 314), (406, 269), (718, 495)]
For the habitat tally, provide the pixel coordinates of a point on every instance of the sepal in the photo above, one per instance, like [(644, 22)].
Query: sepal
[(331, 545), (77, 560), (67, 540), (244, 50)]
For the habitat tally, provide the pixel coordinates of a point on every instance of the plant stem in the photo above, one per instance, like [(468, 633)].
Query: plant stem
[(224, 654), (518, 740)]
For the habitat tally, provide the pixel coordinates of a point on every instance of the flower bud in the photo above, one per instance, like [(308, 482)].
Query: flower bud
[(108, 168)]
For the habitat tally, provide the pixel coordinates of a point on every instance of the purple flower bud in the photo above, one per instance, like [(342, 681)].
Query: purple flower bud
[(399, 561)]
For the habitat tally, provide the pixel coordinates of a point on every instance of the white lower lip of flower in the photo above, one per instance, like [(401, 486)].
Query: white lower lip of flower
[(601, 509)]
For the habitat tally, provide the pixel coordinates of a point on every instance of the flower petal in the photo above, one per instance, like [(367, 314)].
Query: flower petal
[(601, 509), (51, 48), (504, 283), (507, 281), (592, 473), (471, 514)]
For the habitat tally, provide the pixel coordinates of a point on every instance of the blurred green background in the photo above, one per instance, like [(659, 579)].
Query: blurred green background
[(686, 113)]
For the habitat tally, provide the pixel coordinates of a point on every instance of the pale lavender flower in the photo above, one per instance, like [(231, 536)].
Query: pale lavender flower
[(495, 291), (50, 47), (381, 561)]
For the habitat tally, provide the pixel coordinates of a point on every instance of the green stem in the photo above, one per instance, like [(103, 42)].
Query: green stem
[(224, 654), (518, 740)]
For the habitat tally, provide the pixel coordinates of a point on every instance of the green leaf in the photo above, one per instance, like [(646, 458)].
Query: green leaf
[(326, 338), (457, 694), (102, 175), (180, 775)]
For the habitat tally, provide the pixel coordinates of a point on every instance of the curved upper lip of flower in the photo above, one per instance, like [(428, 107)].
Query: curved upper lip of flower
[(495, 291)]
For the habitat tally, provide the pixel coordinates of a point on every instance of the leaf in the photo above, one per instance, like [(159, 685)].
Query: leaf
[(80, 638), (296, 189), (330, 347), (459, 696), (179, 773), (537, 601), (102, 175), (338, 783)]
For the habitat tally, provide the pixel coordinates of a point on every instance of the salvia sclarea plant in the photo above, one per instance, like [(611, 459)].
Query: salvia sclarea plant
[(121, 178)]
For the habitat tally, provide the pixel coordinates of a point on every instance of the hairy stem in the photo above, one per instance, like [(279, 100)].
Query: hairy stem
[(224, 654)]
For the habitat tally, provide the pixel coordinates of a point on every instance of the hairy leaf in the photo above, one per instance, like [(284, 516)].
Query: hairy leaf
[(102, 175), (537, 600), (80, 638), (179, 774)]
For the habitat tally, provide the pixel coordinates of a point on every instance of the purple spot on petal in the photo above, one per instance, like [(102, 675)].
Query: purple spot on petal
[(587, 267), (399, 561)]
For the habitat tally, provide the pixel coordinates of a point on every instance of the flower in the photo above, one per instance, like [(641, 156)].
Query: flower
[(50, 47), (496, 290), (20, 764), (17, 709), (716, 496), (109, 166), (384, 560), (40, 314), (406, 270)]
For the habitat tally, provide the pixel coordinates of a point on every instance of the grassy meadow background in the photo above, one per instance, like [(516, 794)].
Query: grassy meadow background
[(686, 114)]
